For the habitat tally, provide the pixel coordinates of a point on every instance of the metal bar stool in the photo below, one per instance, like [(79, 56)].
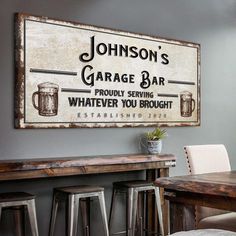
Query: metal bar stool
[(132, 190), (72, 196), (18, 201)]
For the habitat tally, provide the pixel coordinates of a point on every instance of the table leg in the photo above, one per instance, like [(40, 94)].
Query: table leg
[(85, 211), (165, 203), (182, 217), (19, 217), (140, 225), (152, 217)]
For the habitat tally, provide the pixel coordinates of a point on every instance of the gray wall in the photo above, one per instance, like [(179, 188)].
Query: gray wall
[(208, 22)]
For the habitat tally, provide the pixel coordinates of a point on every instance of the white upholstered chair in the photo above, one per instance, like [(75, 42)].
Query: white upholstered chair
[(206, 159)]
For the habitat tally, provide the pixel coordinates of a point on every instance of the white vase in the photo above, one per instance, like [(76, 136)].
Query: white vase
[(154, 147)]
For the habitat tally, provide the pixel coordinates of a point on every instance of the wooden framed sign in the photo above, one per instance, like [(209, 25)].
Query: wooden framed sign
[(75, 75)]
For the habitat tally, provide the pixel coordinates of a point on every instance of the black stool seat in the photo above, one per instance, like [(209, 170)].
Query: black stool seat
[(15, 196), (80, 189), (133, 184)]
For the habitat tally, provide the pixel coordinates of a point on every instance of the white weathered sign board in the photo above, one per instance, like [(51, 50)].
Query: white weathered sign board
[(74, 75)]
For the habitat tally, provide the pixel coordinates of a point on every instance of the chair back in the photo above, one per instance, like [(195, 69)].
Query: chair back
[(207, 159)]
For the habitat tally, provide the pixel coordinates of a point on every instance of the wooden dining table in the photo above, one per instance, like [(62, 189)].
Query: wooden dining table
[(38, 168), (216, 190)]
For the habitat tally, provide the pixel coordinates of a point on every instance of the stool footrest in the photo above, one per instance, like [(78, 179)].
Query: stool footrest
[(118, 233)]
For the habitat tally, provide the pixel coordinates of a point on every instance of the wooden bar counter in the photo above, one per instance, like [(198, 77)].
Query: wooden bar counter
[(154, 165), (68, 166)]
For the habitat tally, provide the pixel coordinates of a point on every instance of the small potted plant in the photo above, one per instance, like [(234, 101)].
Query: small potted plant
[(154, 140)]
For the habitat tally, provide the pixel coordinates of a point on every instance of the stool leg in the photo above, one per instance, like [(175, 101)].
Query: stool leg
[(32, 217), (113, 204), (0, 213), (159, 210), (19, 218), (103, 211), (140, 215), (73, 210), (134, 212), (53, 215), (85, 213), (129, 208)]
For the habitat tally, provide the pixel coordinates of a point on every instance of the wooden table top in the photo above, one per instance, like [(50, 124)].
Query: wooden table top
[(65, 166), (218, 183)]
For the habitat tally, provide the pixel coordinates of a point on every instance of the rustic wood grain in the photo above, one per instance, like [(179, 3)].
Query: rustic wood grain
[(216, 190), (67, 166), (151, 221), (207, 200), (219, 183), (182, 217)]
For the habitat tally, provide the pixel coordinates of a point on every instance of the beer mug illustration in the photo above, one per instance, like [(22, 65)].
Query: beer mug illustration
[(187, 104), (47, 104)]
